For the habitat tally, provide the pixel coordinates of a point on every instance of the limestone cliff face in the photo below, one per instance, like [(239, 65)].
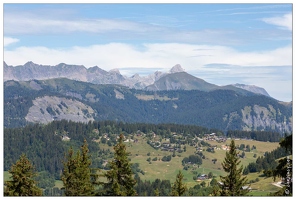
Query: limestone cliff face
[(252, 88), (262, 118), (48, 108), (31, 71)]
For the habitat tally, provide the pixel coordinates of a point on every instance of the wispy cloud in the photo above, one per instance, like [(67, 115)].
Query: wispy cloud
[(252, 13), (149, 28), (9, 40), (284, 21), (249, 8), (120, 55), (24, 23)]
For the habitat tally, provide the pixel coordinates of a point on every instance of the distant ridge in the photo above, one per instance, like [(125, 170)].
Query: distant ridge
[(175, 79), (252, 88), (225, 108)]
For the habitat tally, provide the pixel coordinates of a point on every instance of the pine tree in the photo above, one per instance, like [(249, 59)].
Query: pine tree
[(215, 190), (22, 183), (156, 192), (179, 188), (120, 176), (285, 169), (77, 174), (232, 184), (85, 171)]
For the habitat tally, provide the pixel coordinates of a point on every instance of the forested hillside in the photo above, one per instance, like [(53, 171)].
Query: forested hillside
[(36, 140), (155, 148), (57, 99)]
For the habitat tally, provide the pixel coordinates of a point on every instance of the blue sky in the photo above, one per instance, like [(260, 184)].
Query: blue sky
[(220, 43)]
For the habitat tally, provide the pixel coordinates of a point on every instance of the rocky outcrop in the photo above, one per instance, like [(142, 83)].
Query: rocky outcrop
[(49, 108), (252, 88), (262, 118), (177, 68)]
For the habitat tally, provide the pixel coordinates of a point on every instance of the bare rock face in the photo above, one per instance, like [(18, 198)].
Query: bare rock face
[(48, 108), (263, 118), (31, 71), (252, 88), (177, 68)]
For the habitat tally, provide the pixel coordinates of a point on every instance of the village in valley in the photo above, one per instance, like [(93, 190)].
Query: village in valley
[(175, 144), (170, 146)]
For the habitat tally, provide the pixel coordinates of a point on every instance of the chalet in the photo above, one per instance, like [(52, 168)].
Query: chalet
[(166, 144), (246, 187), (198, 149), (153, 134), (164, 149), (224, 147), (202, 177), (65, 138)]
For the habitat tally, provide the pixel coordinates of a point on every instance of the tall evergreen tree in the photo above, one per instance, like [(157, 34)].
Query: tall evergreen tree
[(22, 183), (77, 174), (120, 176), (284, 169), (156, 192), (233, 183), (179, 188)]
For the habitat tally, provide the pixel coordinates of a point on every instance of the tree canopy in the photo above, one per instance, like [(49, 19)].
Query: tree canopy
[(120, 176), (22, 183), (233, 184), (179, 188), (77, 174)]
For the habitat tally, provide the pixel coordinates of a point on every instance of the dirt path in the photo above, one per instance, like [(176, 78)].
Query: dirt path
[(277, 184)]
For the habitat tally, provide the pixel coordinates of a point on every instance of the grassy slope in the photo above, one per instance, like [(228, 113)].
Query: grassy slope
[(169, 170)]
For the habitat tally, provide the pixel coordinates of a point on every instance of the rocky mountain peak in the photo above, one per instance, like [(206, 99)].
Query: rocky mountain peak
[(252, 88), (177, 68), (115, 71), (30, 63), (136, 76)]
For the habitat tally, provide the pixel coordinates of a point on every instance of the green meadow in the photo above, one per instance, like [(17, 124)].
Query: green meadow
[(168, 170)]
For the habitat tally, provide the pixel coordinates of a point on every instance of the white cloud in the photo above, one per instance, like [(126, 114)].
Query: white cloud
[(31, 24), (9, 40), (152, 55), (284, 21)]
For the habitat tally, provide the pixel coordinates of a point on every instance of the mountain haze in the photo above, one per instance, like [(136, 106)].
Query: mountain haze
[(175, 79)]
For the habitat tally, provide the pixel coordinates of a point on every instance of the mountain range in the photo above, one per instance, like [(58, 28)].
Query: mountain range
[(44, 101), (40, 94), (175, 79)]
